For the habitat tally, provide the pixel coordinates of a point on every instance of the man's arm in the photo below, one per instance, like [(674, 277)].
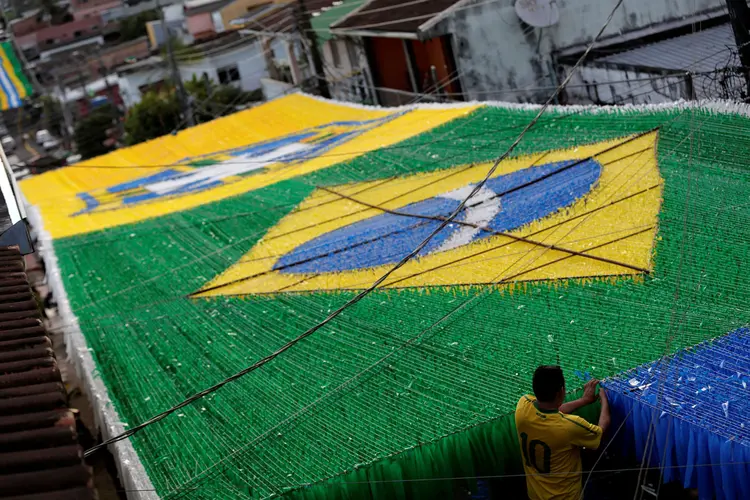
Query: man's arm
[(589, 396), (604, 415)]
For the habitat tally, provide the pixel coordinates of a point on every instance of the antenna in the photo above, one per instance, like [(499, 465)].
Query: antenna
[(538, 13)]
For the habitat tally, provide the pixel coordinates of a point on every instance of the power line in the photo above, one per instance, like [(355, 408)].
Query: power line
[(395, 231), (385, 276), (411, 341)]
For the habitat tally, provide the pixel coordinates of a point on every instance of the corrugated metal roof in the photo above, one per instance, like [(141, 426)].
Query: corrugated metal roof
[(706, 50), (39, 451)]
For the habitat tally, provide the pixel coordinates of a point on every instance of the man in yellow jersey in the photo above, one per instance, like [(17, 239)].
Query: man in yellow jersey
[(551, 439)]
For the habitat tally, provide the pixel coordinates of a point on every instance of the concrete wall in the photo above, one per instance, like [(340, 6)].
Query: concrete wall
[(612, 85), (130, 83), (592, 85), (345, 66), (494, 54), (248, 59), (274, 88), (350, 80)]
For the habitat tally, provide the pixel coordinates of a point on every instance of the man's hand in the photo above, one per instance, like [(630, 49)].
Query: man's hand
[(589, 391), (589, 396)]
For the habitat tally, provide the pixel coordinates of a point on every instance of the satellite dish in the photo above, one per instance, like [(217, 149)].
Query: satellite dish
[(538, 13)]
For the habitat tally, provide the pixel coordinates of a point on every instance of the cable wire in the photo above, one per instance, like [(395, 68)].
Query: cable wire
[(372, 287)]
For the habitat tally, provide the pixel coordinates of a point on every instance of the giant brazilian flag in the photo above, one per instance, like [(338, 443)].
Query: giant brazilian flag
[(14, 86), (610, 238)]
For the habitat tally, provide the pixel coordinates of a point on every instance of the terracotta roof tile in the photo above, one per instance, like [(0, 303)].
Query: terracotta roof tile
[(40, 457)]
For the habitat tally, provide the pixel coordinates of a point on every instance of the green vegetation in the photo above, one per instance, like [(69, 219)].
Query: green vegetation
[(91, 132), (159, 112), (135, 26)]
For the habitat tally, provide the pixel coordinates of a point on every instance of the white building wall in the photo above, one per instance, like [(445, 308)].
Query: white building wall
[(248, 59), (131, 82), (600, 85), (496, 55)]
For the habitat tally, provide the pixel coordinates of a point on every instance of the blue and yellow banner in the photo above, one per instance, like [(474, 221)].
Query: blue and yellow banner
[(537, 218), (286, 138), (14, 86)]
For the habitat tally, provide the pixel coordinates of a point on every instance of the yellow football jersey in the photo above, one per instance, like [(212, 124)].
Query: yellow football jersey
[(551, 444)]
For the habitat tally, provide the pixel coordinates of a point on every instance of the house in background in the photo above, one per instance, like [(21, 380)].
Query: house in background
[(344, 60), (287, 57), (176, 25), (230, 59), (35, 32), (501, 57), (122, 10), (82, 100), (406, 51), (479, 50), (206, 18), (700, 65), (75, 64), (84, 9)]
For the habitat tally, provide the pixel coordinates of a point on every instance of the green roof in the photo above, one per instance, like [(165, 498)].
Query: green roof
[(314, 423), (322, 23)]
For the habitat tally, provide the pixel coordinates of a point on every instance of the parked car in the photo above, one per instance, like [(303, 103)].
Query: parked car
[(73, 159), (43, 136), (15, 161), (22, 174), (51, 144), (9, 143)]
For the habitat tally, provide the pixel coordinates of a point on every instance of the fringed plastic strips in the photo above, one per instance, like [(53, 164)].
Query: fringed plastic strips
[(697, 403)]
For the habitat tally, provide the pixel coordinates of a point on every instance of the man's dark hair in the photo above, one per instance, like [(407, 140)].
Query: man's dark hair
[(548, 380)]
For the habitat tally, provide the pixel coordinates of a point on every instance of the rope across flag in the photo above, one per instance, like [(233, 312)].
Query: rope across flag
[(187, 259)]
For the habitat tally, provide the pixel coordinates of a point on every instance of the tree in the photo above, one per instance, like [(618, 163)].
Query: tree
[(57, 14), (52, 114), (135, 26), (91, 132), (213, 101), (157, 114)]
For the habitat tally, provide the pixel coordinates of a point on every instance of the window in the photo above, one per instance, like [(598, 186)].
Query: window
[(228, 74), (77, 34), (335, 53)]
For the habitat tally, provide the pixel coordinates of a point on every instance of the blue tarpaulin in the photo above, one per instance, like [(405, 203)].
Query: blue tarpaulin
[(690, 415)]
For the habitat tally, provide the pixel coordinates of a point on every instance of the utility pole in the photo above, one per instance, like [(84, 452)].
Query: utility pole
[(110, 91), (65, 111), (103, 70), (739, 16), (187, 110), (305, 29)]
